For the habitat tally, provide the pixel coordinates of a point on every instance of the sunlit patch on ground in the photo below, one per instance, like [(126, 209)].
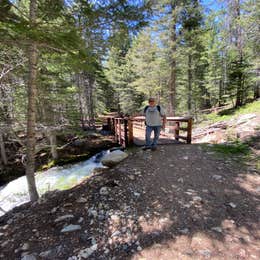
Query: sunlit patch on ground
[(236, 243), (250, 182)]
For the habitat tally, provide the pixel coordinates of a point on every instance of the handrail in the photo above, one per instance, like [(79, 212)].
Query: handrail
[(122, 127)]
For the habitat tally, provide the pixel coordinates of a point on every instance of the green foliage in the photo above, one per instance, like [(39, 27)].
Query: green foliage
[(227, 114), (258, 164), (236, 148), (253, 107), (106, 43)]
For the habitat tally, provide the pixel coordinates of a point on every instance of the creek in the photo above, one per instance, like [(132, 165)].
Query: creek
[(65, 177)]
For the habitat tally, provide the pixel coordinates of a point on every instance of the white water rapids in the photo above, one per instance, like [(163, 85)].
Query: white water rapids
[(15, 193)]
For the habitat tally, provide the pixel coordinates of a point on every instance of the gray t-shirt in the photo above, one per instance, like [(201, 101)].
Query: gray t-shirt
[(153, 117)]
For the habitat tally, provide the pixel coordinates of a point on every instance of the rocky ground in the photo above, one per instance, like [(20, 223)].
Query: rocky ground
[(241, 127), (179, 202)]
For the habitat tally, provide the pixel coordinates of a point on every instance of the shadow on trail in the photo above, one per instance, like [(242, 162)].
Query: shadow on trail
[(192, 204), (139, 138), (179, 202)]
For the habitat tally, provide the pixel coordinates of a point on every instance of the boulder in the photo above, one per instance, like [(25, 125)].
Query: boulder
[(113, 158), (70, 228), (29, 257)]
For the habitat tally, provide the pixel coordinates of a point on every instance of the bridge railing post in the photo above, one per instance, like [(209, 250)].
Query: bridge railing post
[(177, 131), (125, 141), (189, 130), (130, 132), (115, 129), (119, 130), (109, 123), (123, 128)]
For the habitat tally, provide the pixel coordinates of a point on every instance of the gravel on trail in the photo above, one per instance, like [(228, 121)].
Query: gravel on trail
[(178, 202)]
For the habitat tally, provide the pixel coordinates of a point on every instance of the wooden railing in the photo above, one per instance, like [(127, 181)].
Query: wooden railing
[(123, 128), (174, 126)]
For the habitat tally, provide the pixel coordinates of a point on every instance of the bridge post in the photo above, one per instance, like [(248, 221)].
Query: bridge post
[(177, 131), (189, 131), (109, 123), (125, 142), (130, 132), (116, 130)]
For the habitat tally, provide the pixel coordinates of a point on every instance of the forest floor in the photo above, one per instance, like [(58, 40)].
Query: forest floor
[(178, 202)]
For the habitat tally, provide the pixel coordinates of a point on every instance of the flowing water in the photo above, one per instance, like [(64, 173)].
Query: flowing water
[(15, 193)]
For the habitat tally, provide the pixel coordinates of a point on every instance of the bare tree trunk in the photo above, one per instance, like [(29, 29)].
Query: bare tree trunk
[(172, 81), (225, 75), (85, 84), (222, 82), (91, 100), (220, 92), (53, 143), (82, 100), (90, 103), (2, 148), (257, 85), (31, 114), (205, 97), (240, 91), (189, 83)]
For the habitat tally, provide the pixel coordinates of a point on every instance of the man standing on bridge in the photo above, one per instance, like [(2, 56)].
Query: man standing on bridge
[(155, 119)]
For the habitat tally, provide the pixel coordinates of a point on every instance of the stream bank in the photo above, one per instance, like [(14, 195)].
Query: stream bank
[(70, 149)]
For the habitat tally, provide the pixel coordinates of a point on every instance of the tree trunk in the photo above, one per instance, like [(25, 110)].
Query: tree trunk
[(222, 83), (85, 84), (2, 148), (189, 83), (225, 76), (257, 85), (53, 143), (172, 81), (205, 98), (240, 88), (89, 87), (82, 100), (220, 93), (31, 114), (240, 91)]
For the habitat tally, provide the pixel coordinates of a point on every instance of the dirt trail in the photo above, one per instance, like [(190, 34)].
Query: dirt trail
[(179, 202)]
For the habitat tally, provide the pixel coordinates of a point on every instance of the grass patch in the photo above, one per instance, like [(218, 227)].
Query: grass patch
[(258, 163), (236, 148)]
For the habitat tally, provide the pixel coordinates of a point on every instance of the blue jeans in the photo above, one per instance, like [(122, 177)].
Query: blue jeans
[(148, 132)]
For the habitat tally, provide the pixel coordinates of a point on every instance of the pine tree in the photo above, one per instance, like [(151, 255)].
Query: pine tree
[(31, 115)]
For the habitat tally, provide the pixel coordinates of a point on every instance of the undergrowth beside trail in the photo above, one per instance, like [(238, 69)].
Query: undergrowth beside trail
[(235, 148), (228, 114), (242, 153)]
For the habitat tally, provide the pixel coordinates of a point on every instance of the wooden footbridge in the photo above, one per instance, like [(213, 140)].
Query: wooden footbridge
[(131, 130)]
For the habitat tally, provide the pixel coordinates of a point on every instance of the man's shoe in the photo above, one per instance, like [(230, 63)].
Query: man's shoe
[(154, 148), (146, 148)]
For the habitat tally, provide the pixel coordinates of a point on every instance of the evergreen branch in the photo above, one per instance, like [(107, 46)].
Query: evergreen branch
[(20, 12)]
